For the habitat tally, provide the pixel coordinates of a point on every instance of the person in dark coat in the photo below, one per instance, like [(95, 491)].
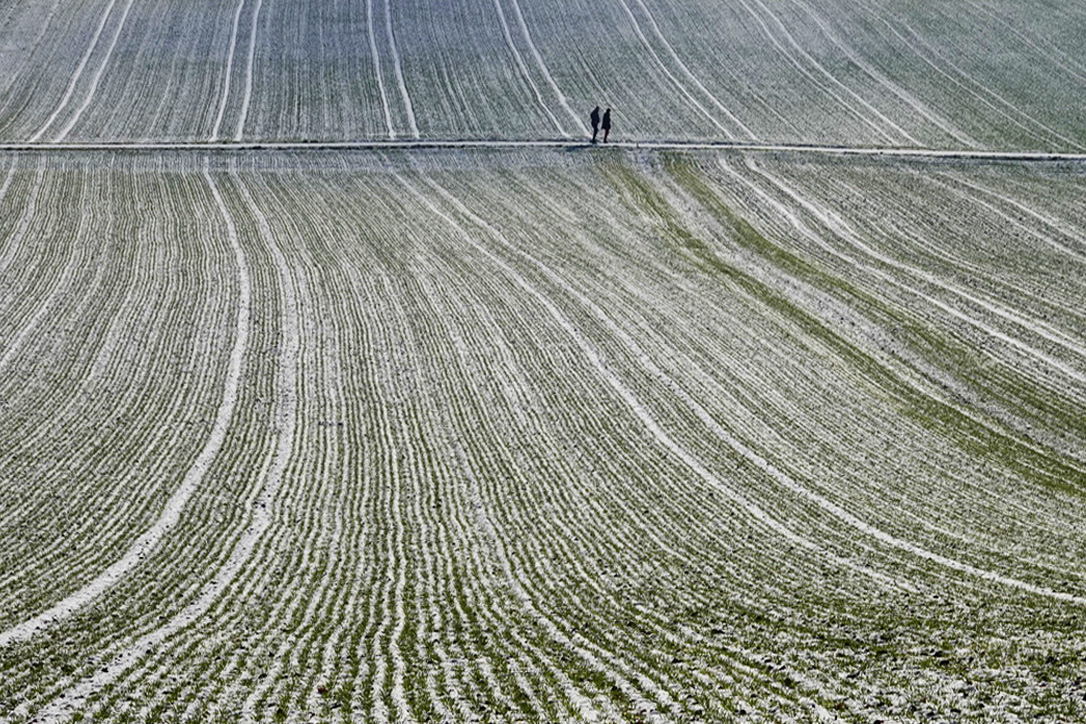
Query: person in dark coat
[(606, 124), (595, 118)]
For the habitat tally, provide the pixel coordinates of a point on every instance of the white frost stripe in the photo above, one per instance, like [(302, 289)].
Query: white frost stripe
[(273, 474), (989, 90), (286, 415), (247, 94), (620, 387), (1052, 223), (398, 67), (455, 528), (229, 72), (12, 244), (8, 178), (172, 512), (399, 666), (687, 72), (674, 81), (816, 239), (1034, 324), (524, 68), (543, 68), (97, 76), (16, 70), (78, 72), (56, 290), (377, 68), (916, 104), (841, 228), (987, 300), (760, 462), (829, 76), (806, 73), (1071, 66), (917, 550), (594, 655), (960, 83)]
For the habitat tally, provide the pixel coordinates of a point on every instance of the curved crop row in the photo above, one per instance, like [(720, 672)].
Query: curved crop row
[(540, 437), (853, 72)]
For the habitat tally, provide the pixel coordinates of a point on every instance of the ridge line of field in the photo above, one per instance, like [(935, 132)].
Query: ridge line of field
[(894, 152)]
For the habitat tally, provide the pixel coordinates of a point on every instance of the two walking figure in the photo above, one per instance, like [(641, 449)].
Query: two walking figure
[(595, 118)]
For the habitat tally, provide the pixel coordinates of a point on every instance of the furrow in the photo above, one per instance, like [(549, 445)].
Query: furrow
[(523, 25), (671, 76), (523, 68), (273, 474), (172, 510), (841, 228), (228, 73), (76, 75), (397, 66), (247, 93), (97, 77)]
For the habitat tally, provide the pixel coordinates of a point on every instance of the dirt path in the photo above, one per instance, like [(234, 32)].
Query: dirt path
[(409, 144)]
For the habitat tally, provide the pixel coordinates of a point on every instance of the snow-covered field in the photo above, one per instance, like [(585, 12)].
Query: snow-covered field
[(970, 74), (541, 434)]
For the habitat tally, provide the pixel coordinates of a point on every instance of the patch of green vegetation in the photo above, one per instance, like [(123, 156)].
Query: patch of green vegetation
[(279, 713), (990, 441)]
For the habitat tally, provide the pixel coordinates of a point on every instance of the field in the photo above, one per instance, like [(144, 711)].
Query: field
[(406, 433), (975, 74)]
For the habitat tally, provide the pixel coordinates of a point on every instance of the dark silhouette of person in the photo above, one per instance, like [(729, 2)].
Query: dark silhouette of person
[(606, 124), (595, 118)]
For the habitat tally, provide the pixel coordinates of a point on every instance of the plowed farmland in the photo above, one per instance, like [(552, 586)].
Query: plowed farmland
[(423, 434), (976, 74)]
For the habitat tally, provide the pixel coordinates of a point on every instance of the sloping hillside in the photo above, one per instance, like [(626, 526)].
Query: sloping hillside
[(540, 436), (541, 433), (979, 74)]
